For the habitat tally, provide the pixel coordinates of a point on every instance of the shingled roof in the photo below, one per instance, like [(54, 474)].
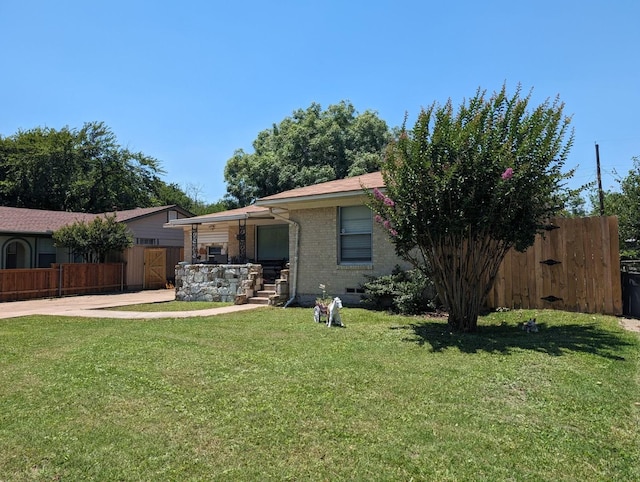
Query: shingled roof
[(349, 185), (39, 221)]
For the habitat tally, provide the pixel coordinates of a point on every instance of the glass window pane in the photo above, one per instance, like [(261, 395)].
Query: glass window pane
[(273, 242), (355, 219), (356, 225)]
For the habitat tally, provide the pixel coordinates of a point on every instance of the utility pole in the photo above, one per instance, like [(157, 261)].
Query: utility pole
[(600, 193)]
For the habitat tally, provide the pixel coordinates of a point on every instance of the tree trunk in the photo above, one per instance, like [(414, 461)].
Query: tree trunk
[(463, 314), (464, 269)]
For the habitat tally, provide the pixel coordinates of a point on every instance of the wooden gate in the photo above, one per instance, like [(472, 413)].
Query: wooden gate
[(155, 268), (575, 266)]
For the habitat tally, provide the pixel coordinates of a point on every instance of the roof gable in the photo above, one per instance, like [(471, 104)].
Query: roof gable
[(129, 214), (350, 186)]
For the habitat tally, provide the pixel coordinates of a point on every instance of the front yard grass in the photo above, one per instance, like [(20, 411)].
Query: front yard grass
[(268, 394), (171, 306)]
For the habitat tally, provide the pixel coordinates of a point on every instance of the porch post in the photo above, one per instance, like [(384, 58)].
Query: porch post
[(194, 243), (242, 240)]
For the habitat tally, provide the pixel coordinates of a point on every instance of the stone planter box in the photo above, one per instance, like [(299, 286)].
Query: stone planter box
[(224, 282)]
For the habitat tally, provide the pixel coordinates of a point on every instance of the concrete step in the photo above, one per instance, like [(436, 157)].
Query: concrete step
[(258, 300), (265, 293), (269, 287)]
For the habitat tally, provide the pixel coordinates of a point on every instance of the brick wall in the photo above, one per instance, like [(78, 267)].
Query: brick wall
[(318, 257)]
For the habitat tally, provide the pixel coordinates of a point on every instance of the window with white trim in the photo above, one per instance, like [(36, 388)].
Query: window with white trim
[(355, 235)]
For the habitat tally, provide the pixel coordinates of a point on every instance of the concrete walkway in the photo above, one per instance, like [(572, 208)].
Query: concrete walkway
[(96, 306)]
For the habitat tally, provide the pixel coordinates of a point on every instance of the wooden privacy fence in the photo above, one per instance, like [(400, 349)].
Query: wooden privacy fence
[(139, 269), (60, 280), (574, 266)]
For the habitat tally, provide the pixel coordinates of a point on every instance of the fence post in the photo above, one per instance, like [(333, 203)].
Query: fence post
[(121, 277), (60, 280)]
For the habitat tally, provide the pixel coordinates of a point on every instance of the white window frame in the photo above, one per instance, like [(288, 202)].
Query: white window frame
[(344, 233)]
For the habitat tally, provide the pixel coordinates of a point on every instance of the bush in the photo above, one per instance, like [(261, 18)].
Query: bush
[(405, 292)]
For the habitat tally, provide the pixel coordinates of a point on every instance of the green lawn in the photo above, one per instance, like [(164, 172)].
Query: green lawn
[(268, 394), (171, 306)]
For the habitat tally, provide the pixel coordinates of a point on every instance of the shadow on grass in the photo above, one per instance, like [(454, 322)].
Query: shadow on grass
[(552, 340)]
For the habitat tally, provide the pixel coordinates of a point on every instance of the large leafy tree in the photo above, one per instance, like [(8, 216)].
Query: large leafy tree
[(463, 187), (120, 178), (95, 239), (311, 146), (625, 204), (83, 170), (36, 169)]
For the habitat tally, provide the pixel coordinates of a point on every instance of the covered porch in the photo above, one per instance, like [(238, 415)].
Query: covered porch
[(251, 235)]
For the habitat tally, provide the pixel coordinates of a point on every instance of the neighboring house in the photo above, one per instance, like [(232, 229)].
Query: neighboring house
[(26, 241), (325, 231)]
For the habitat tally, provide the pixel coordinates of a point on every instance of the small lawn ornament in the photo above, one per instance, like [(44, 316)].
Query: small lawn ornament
[(530, 326), (320, 311), (334, 317)]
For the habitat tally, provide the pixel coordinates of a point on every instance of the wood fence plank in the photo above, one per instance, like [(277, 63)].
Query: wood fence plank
[(597, 285), (582, 268), (561, 253), (494, 298), (554, 240), (544, 272), (508, 285), (537, 267), (530, 255), (606, 260), (614, 263), (570, 260)]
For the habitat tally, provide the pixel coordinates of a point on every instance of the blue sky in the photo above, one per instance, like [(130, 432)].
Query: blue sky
[(189, 82)]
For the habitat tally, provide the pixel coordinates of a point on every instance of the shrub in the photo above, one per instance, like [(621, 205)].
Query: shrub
[(405, 292)]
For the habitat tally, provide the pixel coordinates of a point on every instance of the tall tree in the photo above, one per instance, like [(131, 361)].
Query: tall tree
[(465, 187), (36, 169), (311, 146), (120, 178), (83, 170)]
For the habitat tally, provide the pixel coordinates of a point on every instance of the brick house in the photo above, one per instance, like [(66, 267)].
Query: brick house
[(325, 232)]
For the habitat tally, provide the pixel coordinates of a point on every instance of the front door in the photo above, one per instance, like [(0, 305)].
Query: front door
[(155, 268), (272, 249)]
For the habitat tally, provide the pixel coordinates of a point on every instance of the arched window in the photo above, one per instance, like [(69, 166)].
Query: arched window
[(16, 254)]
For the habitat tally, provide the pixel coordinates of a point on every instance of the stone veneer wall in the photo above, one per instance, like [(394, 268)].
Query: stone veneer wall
[(227, 282)]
